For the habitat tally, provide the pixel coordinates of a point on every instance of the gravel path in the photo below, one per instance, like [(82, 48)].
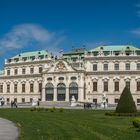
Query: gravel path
[(8, 130)]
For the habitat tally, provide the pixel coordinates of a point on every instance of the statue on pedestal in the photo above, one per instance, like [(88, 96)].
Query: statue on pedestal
[(104, 101), (2, 101), (73, 101), (34, 101)]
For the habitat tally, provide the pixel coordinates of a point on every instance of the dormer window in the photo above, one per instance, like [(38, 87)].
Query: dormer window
[(32, 57), (117, 53), (24, 58)]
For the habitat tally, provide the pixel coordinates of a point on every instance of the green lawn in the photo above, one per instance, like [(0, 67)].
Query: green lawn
[(71, 125)]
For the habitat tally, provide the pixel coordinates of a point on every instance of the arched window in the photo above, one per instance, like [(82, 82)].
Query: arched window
[(49, 92), (73, 90), (61, 92)]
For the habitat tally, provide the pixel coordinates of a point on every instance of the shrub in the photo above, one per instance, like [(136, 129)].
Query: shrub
[(46, 109), (40, 109), (136, 122), (126, 103), (61, 110), (33, 109), (52, 109)]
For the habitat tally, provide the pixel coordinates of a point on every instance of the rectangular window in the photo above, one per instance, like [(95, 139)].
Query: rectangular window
[(138, 66), (15, 99), (138, 86), (8, 72), (23, 100), (127, 66), (116, 67), (105, 86), (15, 88), (138, 101), (40, 69), (116, 100), (31, 70), (31, 87), (23, 87), (1, 88), (8, 88), (16, 71), (23, 71), (8, 100), (94, 67), (31, 100), (127, 84), (116, 84), (106, 67), (94, 86), (94, 100), (40, 87)]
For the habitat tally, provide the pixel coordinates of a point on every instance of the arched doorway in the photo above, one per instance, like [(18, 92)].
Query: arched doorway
[(73, 90), (61, 92), (49, 90)]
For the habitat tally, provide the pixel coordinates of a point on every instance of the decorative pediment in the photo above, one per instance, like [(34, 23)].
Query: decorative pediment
[(127, 78), (116, 78), (60, 66)]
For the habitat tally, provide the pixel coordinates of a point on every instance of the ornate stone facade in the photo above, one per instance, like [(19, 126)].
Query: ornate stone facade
[(87, 75)]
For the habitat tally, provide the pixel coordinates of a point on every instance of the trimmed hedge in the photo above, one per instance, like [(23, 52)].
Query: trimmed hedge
[(126, 103), (136, 122)]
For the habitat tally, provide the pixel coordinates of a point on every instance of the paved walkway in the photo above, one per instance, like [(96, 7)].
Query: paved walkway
[(8, 130)]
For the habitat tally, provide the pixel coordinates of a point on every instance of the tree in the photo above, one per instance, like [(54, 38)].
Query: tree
[(126, 103)]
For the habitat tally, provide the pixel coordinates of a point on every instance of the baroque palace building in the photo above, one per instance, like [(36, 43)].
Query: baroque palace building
[(88, 75)]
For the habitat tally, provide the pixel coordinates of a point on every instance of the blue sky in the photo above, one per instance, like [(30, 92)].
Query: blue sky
[(27, 25)]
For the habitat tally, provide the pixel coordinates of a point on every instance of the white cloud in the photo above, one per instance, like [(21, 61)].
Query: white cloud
[(136, 32), (91, 45), (138, 11), (31, 35)]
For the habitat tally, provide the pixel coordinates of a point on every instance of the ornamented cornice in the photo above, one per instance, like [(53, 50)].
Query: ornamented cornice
[(113, 73), (28, 63), (113, 58), (21, 76)]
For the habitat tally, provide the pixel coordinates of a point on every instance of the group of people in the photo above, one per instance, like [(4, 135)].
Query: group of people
[(14, 104)]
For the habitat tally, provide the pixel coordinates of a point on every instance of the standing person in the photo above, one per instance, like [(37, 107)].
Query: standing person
[(95, 104), (38, 103), (15, 104), (11, 104)]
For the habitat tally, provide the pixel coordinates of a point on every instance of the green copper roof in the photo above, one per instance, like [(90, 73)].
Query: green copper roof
[(75, 51), (30, 54), (115, 48)]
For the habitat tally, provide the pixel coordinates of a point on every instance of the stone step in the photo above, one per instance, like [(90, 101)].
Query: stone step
[(52, 103)]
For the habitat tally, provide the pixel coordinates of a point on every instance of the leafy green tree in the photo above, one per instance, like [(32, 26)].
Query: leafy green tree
[(126, 103)]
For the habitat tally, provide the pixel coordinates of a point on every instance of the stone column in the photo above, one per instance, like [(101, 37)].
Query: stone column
[(55, 94), (67, 94), (43, 94)]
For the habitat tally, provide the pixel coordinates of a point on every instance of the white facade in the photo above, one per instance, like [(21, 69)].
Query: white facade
[(87, 77)]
